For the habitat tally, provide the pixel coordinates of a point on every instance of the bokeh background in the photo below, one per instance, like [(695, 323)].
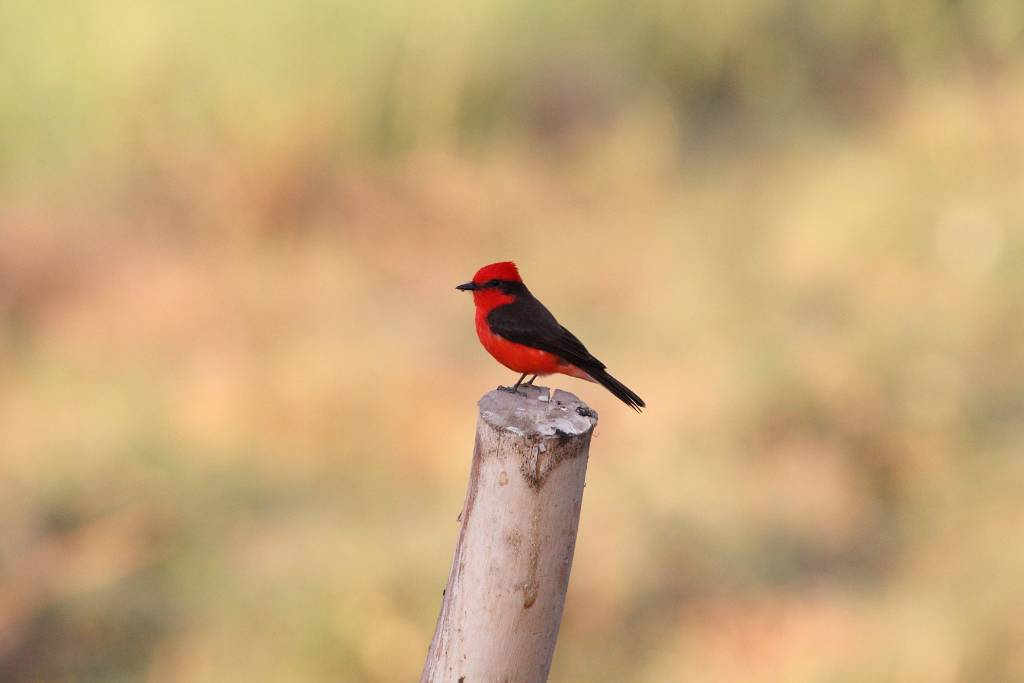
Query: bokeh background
[(237, 389)]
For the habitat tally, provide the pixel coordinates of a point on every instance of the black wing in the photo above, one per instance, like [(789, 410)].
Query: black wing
[(526, 321)]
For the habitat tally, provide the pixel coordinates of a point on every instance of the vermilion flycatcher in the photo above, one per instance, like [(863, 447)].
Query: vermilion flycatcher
[(523, 336)]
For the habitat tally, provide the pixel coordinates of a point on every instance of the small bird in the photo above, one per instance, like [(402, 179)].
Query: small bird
[(523, 336)]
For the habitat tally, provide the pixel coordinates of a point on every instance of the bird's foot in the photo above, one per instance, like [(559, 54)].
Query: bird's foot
[(512, 390)]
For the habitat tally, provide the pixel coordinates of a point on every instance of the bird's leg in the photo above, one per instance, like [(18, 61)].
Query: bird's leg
[(530, 383), (515, 388)]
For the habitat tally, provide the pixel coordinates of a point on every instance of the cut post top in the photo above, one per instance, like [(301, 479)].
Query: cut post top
[(536, 412)]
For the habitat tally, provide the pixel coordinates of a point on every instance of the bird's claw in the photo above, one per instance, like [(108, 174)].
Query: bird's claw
[(512, 390)]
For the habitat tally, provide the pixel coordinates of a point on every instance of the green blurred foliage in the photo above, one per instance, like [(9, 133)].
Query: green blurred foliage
[(237, 389)]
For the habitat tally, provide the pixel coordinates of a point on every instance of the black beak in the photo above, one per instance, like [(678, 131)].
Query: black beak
[(467, 287)]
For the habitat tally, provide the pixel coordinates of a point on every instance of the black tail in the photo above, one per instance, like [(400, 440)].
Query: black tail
[(621, 391)]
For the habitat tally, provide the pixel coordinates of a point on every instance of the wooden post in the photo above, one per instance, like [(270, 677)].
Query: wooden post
[(503, 602)]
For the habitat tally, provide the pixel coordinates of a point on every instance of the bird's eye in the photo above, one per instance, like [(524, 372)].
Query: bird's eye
[(493, 283)]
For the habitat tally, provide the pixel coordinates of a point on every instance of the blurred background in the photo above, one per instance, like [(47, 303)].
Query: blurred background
[(237, 387)]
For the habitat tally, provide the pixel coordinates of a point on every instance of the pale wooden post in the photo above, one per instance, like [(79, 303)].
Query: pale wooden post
[(503, 601)]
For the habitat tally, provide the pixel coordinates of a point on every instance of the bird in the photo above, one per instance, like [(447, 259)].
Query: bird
[(523, 335)]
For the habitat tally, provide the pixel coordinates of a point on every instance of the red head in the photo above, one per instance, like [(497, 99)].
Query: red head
[(494, 285), (503, 270)]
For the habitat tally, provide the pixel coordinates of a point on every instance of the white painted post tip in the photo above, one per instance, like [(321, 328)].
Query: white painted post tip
[(506, 590)]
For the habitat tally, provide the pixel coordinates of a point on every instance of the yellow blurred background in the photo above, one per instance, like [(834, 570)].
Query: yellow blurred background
[(237, 387)]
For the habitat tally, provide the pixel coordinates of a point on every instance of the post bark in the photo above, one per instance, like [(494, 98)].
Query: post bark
[(503, 602)]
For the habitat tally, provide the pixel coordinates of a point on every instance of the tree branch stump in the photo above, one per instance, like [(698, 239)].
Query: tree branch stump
[(503, 602)]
